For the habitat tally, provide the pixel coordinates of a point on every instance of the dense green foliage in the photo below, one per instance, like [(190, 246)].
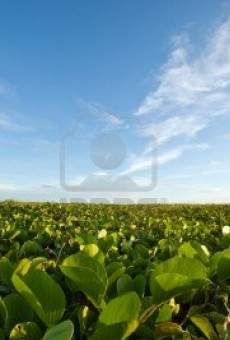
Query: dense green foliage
[(99, 272)]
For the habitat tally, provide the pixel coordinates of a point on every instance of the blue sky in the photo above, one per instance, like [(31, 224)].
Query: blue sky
[(154, 74)]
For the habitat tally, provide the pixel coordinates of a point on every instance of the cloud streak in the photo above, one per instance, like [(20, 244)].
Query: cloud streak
[(99, 113), (8, 124), (145, 162), (191, 91)]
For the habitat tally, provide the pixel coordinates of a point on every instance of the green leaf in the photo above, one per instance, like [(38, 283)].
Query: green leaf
[(167, 329), (225, 241), (43, 294), (131, 327), (220, 265), (114, 271), (139, 283), (176, 276), (14, 310), (93, 251), (124, 284), (119, 331), (121, 309), (23, 267), (193, 249), (106, 243), (142, 251), (88, 274), (112, 332), (223, 268), (62, 331), (165, 314), (204, 325), (216, 317), (26, 331), (6, 271), (30, 248)]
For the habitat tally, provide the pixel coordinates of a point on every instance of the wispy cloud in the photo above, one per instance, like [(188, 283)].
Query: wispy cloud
[(145, 162), (9, 124), (191, 90), (174, 127), (95, 110)]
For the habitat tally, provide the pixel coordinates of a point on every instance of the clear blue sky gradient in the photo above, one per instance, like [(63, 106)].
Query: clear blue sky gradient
[(59, 60)]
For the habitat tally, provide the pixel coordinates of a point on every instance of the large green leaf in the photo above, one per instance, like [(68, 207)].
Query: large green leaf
[(93, 251), (88, 274), (43, 294), (26, 331), (176, 276), (62, 331), (123, 308), (14, 309)]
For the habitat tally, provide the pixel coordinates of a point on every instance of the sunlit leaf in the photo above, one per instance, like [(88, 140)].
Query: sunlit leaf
[(43, 294), (62, 331), (123, 308)]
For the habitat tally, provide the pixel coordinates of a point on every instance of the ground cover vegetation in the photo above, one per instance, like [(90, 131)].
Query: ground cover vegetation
[(99, 272)]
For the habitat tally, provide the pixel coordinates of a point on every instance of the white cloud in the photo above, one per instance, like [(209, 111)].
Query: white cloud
[(99, 113), (173, 127), (111, 118), (191, 90), (145, 162), (140, 164), (7, 123), (170, 155)]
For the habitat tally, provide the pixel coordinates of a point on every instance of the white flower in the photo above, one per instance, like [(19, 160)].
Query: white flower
[(133, 226), (82, 246), (132, 238), (226, 230), (102, 233), (205, 249)]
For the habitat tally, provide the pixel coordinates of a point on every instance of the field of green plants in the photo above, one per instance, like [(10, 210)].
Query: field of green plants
[(106, 272)]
